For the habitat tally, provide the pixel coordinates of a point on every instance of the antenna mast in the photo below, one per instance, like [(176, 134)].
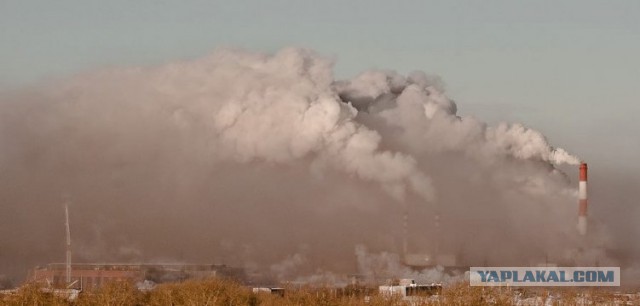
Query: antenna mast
[(68, 263)]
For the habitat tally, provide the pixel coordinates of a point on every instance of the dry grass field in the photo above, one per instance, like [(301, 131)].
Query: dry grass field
[(224, 292)]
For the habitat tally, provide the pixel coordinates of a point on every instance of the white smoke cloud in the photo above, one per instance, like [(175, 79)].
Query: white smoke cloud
[(261, 108), (383, 267), (428, 120), (179, 142), (525, 143), (288, 268)]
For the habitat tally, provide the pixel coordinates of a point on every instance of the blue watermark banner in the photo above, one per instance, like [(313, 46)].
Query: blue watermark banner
[(544, 276)]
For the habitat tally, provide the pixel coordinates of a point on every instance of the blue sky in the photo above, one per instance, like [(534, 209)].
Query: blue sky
[(567, 68)]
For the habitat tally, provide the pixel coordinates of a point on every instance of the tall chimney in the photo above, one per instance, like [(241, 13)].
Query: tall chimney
[(405, 235), (582, 200)]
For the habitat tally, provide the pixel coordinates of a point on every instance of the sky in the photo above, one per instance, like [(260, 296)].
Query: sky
[(567, 68)]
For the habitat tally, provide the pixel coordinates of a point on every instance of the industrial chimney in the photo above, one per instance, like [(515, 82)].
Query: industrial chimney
[(582, 200)]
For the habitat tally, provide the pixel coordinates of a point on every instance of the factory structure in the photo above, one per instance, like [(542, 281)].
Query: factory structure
[(88, 276), (450, 262), (419, 261)]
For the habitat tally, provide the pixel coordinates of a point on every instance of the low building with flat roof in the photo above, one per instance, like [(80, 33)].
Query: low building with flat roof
[(93, 275)]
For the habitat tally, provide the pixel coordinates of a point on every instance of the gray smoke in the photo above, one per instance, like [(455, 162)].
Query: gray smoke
[(245, 158), (385, 266)]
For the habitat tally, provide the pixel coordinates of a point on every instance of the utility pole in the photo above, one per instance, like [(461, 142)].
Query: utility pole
[(68, 263)]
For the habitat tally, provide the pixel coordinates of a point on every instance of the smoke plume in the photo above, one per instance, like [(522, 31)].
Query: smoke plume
[(245, 158)]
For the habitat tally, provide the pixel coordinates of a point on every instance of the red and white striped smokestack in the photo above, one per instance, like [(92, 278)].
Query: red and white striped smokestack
[(582, 200)]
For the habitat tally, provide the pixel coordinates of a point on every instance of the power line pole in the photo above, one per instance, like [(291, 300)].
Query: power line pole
[(68, 263)]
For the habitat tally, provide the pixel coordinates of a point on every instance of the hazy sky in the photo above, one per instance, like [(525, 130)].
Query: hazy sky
[(567, 68)]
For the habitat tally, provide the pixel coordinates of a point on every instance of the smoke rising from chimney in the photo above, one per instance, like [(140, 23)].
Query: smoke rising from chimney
[(242, 158)]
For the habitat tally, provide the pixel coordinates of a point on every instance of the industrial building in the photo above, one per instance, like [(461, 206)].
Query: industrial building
[(88, 276), (450, 262)]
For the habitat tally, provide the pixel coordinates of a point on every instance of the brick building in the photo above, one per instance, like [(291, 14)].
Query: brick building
[(93, 275)]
